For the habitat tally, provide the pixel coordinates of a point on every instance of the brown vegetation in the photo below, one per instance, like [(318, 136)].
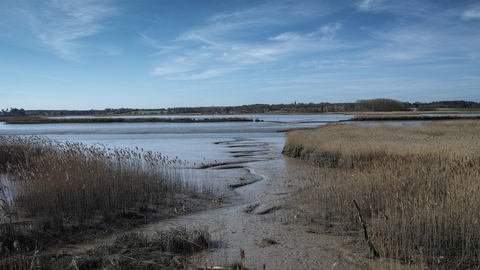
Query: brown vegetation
[(410, 117), (165, 250), (60, 187), (417, 187)]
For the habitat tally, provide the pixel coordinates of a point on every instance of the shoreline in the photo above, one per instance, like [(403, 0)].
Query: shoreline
[(360, 118), (42, 120), (230, 117)]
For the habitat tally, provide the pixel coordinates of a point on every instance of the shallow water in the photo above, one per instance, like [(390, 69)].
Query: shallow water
[(188, 141)]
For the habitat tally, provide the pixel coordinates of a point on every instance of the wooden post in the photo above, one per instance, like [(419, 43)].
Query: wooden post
[(369, 243)]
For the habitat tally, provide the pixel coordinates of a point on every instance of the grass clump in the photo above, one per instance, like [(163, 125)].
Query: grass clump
[(57, 187), (417, 187), (165, 250)]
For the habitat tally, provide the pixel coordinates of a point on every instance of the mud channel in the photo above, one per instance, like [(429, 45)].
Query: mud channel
[(257, 217)]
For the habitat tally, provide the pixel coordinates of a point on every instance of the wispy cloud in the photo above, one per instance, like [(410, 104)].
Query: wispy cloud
[(405, 8), (210, 73), (159, 46), (426, 33), (237, 55), (472, 13), (369, 5), (169, 70), (55, 25), (324, 32), (222, 44)]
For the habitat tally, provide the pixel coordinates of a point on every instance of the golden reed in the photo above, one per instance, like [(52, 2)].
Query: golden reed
[(418, 187)]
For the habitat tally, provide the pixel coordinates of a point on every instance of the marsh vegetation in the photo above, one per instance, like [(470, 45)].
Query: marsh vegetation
[(54, 192), (164, 250), (417, 187), (412, 117)]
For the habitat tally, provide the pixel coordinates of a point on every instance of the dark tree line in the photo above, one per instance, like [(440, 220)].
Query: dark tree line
[(379, 104), (446, 104), (267, 108), (12, 112), (107, 111)]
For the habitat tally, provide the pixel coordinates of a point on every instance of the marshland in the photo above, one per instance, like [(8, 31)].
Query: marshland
[(416, 187), (113, 195)]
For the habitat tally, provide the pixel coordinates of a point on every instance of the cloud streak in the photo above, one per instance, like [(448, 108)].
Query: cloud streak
[(422, 33), (472, 13), (370, 5), (222, 43), (56, 26)]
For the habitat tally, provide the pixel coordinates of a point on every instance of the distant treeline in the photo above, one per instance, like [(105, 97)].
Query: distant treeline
[(12, 112), (45, 120), (380, 104), (455, 104), (268, 108)]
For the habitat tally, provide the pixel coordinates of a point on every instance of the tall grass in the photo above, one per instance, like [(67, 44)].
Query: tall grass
[(417, 186), (58, 183)]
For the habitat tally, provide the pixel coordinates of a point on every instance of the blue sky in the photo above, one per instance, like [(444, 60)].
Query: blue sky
[(94, 54)]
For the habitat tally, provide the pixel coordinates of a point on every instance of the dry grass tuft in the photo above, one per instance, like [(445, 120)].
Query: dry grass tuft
[(417, 186), (165, 250)]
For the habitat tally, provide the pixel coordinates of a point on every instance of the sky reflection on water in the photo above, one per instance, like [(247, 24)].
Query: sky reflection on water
[(194, 142)]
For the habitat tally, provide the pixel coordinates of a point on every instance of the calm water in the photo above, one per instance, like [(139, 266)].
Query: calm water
[(194, 142)]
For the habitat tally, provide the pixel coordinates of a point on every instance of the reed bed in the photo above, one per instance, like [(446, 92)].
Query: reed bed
[(417, 187), (59, 184), (409, 117)]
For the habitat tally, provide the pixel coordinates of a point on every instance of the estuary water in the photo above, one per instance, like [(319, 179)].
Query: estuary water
[(193, 142)]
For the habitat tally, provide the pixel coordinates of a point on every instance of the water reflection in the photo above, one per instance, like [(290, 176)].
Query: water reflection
[(194, 142)]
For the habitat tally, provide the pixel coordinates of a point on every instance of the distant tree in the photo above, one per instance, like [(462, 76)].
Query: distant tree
[(14, 111), (426, 108), (379, 104)]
